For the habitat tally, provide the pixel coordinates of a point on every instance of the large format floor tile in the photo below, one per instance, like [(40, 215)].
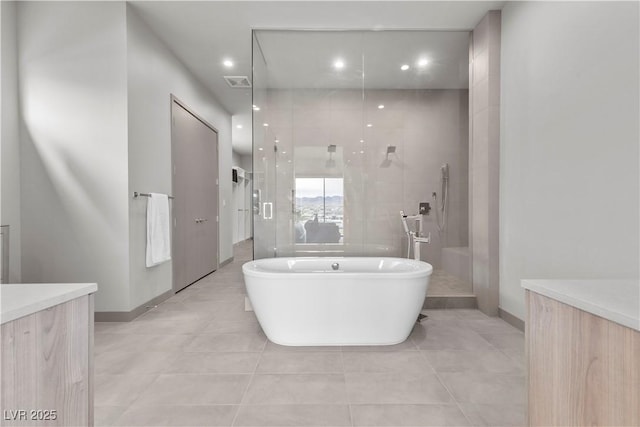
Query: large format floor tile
[(293, 415), (296, 389), (500, 415), (447, 337), (195, 389), (485, 388), (397, 388), (408, 415), (401, 362), (125, 362), (300, 363), (250, 341), (174, 415), (140, 342), (200, 359), (214, 363), (120, 390), (480, 361)]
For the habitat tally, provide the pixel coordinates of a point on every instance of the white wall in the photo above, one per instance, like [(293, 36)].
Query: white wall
[(246, 162), (569, 143), (10, 145), (154, 73), (237, 190), (241, 198), (73, 102)]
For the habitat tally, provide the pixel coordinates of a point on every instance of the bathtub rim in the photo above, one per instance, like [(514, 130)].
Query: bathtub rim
[(425, 271)]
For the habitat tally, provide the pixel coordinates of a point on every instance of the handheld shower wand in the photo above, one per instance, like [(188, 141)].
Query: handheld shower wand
[(441, 208)]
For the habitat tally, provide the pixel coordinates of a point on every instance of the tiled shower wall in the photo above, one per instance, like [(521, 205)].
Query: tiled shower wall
[(484, 72), (428, 128)]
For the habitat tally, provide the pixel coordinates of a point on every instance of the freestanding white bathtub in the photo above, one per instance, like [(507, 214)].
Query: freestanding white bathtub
[(365, 301)]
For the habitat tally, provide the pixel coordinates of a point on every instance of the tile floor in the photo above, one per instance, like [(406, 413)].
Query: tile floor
[(199, 359)]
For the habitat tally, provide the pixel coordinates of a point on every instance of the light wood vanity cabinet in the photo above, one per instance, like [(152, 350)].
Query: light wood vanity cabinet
[(47, 364), (583, 369)]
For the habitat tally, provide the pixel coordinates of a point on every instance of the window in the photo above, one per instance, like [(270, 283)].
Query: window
[(319, 210)]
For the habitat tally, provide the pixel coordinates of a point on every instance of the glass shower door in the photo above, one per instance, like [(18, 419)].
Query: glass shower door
[(264, 164)]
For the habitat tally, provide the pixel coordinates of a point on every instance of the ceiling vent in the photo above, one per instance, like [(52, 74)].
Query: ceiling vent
[(238, 81)]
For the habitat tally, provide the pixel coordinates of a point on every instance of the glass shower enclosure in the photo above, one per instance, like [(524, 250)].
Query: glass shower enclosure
[(350, 128)]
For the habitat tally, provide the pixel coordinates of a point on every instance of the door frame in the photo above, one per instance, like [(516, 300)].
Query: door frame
[(174, 99)]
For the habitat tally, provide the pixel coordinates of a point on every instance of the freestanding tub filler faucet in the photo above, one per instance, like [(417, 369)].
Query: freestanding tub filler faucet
[(415, 238)]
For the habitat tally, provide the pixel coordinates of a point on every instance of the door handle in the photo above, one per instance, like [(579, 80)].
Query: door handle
[(264, 210)]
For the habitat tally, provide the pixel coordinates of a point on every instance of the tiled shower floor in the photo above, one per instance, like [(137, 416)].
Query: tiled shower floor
[(443, 284), (199, 359)]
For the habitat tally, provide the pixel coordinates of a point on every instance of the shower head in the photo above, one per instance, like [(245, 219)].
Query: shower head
[(387, 161), (331, 163)]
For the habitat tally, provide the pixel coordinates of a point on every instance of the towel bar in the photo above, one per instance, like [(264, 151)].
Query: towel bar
[(136, 195)]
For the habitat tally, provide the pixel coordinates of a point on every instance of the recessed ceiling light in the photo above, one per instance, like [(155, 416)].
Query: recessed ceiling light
[(404, 67), (284, 152), (369, 125), (361, 151), (227, 63), (256, 108), (265, 124), (338, 64), (260, 149), (380, 107), (423, 62), (276, 141), (239, 126)]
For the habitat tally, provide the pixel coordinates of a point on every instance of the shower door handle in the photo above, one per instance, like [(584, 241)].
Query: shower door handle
[(256, 202), (293, 202), (264, 210)]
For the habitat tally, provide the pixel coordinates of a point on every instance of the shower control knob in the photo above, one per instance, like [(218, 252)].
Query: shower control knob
[(335, 266)]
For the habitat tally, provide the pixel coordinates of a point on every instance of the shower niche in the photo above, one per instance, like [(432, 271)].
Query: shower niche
[(352, 127)]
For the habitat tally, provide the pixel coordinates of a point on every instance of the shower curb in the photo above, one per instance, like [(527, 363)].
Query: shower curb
[(452, 301)]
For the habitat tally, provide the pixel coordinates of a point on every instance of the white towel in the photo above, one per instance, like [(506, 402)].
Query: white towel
[(158, 232)]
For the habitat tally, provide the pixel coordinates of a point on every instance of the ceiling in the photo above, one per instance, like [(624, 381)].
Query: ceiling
[(204, 33), (372, 59)]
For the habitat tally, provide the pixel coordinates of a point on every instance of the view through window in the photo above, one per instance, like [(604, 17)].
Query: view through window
[(319, 210)]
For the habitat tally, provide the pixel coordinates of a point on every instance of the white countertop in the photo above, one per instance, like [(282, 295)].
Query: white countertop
[(615, 300), (27, 298)]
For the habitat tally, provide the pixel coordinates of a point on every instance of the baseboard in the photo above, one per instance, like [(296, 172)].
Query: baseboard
[(128, 316), (511, 319), (225, 262), (442, 302)]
